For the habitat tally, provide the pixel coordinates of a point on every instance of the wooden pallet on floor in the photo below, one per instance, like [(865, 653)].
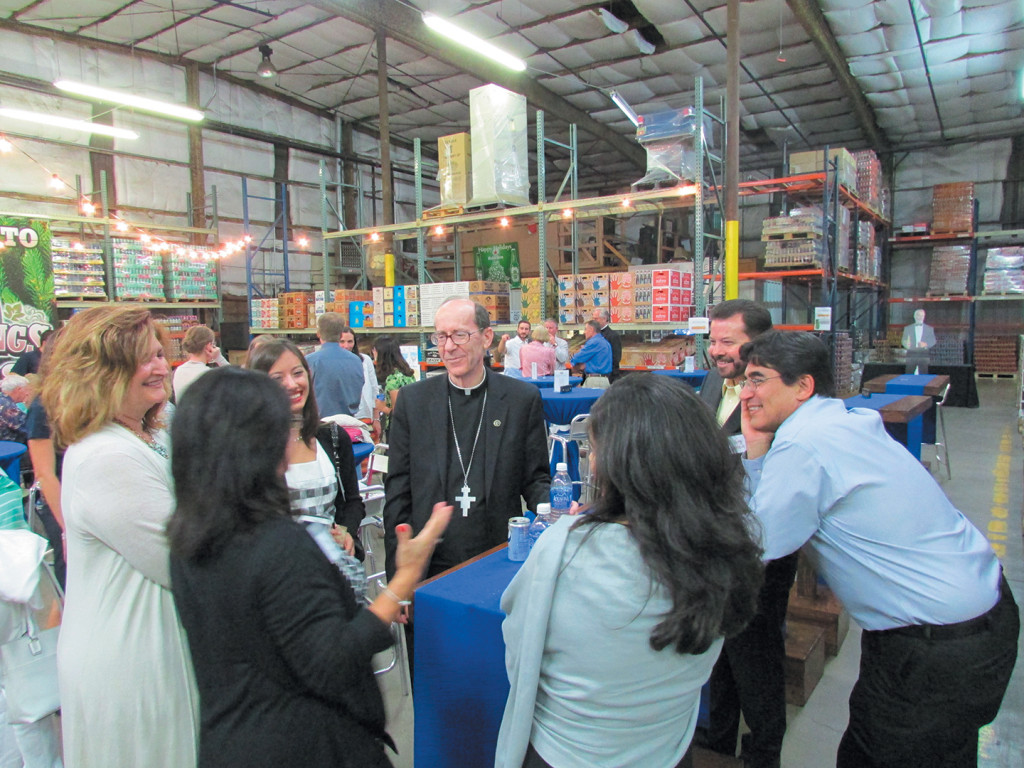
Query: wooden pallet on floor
[(805, 660)]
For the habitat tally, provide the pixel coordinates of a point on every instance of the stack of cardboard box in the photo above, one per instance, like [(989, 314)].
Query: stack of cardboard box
[(953, 207), (869, 178), (265, 313), (814, 162), (530, 307), (396, 306), (454, 175), (295, 309), (671, 294)]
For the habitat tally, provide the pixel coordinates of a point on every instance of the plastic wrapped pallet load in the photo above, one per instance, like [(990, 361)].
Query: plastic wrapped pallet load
[(498, 131)]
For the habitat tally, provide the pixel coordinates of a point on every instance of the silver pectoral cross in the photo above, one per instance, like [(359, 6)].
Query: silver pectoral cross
[(465, 500)]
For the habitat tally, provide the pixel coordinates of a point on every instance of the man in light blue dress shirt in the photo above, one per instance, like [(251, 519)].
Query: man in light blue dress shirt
[(940, 622), (337, 373)]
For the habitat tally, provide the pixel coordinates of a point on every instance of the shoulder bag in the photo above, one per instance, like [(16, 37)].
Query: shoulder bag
[(28, 670)]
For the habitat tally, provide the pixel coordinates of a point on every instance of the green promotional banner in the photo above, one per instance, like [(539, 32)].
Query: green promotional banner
[(27, 300), (498, 262)]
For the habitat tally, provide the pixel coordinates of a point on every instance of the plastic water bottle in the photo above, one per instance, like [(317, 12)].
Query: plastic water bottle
[(541, 523), (561, 490)]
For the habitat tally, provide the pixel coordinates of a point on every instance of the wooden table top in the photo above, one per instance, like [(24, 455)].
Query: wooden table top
[(933, 387), (894, 408)]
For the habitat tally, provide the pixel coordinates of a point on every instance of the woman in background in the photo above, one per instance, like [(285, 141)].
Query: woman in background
[(370, 386), (661, 568), (393, 373), (281, 646), (537, 351), (128, 695), (321, 476), (47, 464)]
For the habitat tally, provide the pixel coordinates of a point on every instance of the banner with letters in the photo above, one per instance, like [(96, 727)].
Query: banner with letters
[(27, 300)]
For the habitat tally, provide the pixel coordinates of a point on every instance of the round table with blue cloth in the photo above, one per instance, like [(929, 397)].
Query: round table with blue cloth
[(694, 378), (10, 458), (561, 407), (547, 382)]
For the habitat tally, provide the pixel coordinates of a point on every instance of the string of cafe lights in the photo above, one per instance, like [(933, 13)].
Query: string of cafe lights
[(127, 229)]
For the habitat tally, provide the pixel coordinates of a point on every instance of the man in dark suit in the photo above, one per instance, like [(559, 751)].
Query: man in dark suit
[(472, 438), (603, 317), (749, 674)]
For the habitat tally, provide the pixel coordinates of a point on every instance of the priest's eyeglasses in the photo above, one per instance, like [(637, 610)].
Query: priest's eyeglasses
[(457, 337), (753, 383)]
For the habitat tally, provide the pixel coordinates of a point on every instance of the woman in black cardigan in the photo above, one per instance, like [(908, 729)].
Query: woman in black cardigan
[(321, 475), (280, 645)]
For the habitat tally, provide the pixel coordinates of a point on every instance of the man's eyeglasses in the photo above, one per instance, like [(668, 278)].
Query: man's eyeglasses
[(755, 382), (458, 337)]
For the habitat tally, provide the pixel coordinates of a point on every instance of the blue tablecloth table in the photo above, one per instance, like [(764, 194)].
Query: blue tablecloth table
[(547, 382), (694, 378), (897, 410), (10, 458), (561, 407), (912, 384), (461, 684)]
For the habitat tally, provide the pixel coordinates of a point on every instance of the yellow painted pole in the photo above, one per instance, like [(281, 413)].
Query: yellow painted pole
[(732, 259)]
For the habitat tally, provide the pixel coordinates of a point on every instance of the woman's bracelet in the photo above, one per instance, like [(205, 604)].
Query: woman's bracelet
[(387, 591)]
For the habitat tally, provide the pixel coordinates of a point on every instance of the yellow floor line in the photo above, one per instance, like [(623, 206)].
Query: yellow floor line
[(997, 528)]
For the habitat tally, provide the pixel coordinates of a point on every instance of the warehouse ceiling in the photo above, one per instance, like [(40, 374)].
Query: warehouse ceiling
[(891, 75)]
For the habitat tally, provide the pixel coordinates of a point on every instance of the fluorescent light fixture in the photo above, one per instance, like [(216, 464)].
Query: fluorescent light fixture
[(66, 122), (471, 41), (130, 100), (626, 109)]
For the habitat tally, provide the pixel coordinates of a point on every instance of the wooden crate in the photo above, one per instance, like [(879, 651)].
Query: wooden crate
[(823, 610), (805, 660)]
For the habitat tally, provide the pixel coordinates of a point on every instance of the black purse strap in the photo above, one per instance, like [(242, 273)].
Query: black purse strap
[(337, 460)]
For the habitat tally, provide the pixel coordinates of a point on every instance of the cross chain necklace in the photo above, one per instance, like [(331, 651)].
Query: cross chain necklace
[(465, 499)]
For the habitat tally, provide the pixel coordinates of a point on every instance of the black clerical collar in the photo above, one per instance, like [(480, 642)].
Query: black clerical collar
[(469, 390)]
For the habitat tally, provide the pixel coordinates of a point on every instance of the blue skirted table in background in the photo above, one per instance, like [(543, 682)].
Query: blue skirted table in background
[(461, 684), (10, 458), (694, 378), (902, 415), (548, 382), (561, 407), (929, 384)]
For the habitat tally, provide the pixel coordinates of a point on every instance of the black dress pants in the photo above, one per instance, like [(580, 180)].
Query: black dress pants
[(750, 676), (924, 692)]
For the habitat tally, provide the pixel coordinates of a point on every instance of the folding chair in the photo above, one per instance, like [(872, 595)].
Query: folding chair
[(376, 465), (942, 456), (371, 535)]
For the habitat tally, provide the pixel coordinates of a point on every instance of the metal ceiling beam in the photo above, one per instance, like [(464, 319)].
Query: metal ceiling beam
[(810, 16), (405, 25)]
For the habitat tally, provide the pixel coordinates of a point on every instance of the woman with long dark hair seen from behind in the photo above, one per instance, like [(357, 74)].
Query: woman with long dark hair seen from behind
[(662, 567), (393, 373), (127, 691), (280, 644)]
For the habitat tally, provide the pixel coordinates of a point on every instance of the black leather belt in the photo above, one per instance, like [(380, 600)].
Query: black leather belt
[(952, 631)]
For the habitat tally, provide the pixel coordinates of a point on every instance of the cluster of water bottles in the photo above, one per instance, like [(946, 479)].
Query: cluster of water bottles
[(522, 537)]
